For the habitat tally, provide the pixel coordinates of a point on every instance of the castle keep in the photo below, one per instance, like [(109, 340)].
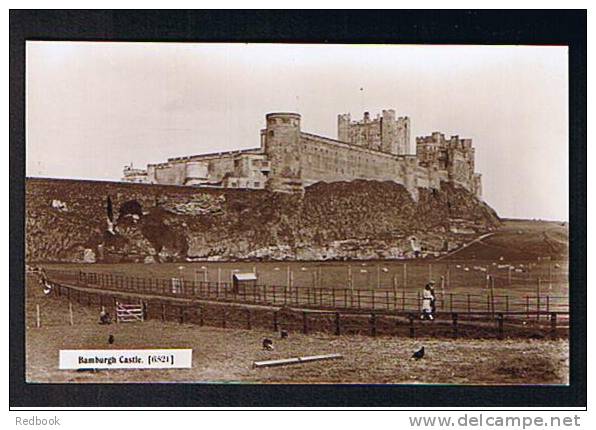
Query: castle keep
[(289, 159)]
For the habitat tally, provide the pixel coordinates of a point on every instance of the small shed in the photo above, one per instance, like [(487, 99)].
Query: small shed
[(244, 279)]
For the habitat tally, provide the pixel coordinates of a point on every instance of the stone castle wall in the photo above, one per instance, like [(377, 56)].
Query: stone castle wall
[(290, 159), (330, 160)]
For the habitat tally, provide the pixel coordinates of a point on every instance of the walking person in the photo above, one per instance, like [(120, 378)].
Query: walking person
[(433, 302), (427, 300)]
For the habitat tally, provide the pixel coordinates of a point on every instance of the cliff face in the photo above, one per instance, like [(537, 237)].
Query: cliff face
[(66, 220)]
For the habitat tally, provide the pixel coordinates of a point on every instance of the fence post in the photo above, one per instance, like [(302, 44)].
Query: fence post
[(469, 304), (411, 319), (500, 319), (538, 300), (38, 316), (527, 307), (345, 298), (373, 324), (275, 325), (507, 304), (405, 276), (403, 300), (553, 324), (451, 302), (454, 317), (333, 296), (337, 324), (304, 323)]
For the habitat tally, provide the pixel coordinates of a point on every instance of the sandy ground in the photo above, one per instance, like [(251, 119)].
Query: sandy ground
[(227, 355)]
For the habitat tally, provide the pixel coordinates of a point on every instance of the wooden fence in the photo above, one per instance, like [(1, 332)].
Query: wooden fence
[(339, 322), (528, 306)]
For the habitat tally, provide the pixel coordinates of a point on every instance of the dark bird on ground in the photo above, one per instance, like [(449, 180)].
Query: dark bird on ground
[(283, 334), (111, 339), (418, 354), (267, 344)]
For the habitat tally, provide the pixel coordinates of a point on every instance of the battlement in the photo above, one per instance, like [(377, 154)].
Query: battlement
[(385, 133), (455, 156)]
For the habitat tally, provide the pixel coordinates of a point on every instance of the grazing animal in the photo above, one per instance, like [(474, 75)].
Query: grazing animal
[(418, 354), (283, 334), (268, 344), (111, 339)]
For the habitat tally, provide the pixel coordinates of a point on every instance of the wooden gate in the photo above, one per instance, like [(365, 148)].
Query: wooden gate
[(129, 312)]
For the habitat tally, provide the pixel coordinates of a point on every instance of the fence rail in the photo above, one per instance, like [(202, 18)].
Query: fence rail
[(529, 306)]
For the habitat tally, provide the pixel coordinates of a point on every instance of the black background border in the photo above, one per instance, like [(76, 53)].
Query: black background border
[(535, 27)]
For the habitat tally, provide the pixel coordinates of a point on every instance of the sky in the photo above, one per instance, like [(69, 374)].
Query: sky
[(93, 107)]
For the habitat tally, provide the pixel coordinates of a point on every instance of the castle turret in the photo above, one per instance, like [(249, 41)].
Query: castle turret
[(389, 132), (343, 127), (403, 136), (282, 146)]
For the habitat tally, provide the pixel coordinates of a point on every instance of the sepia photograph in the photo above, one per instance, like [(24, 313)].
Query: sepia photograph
[(287, 213)]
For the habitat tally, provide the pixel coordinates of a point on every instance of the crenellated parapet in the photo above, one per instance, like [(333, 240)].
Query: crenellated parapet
[(385, 133)]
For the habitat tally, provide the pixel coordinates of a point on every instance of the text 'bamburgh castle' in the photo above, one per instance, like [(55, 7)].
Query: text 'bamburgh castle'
[(290, 159)]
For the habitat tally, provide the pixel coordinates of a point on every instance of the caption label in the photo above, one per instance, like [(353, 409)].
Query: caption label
[(125, 358)]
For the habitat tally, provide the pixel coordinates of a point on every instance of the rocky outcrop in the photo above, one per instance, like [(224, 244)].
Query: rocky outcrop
[(359, 220)]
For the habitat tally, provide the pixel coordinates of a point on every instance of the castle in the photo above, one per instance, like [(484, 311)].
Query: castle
[(289, 159)]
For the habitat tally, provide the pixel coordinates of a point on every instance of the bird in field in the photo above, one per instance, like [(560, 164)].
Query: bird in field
[(111, 339), (268, 344), (283, 334), (418, 354)]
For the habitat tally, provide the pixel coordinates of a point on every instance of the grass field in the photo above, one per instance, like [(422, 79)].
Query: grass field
[(226, 355)]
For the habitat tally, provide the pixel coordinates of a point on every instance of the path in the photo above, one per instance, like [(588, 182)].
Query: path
[(464, 246)]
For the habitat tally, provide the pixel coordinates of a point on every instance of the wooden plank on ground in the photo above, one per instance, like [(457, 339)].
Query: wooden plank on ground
[(296, 360)]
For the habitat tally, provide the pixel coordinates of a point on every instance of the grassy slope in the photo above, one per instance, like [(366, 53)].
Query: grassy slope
[(522, 240)]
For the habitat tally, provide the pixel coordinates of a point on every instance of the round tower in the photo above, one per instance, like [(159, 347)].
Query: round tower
[(197, 172), (282, 146)]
